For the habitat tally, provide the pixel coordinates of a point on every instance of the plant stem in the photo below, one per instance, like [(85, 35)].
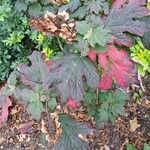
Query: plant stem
[(50, 128), (140, 80), (60, 45)]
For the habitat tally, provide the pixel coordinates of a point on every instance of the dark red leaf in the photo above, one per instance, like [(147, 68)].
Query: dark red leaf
[(124, 17)]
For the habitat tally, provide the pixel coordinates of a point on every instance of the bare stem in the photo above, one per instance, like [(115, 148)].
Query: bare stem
[(140, 80), (60, 45), (50, 128)]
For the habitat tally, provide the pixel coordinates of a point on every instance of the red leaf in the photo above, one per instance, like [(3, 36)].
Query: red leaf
[(119, 3), (4, 113), (49, 63), (116, 66), (72, 104), (92, 54)]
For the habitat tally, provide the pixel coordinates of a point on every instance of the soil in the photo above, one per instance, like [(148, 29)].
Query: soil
[(21, 132)]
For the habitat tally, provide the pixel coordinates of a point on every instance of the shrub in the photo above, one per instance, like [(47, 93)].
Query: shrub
[(17, 41), (93, 65)]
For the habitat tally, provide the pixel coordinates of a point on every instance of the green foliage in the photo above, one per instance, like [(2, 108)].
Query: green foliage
[(5, 9), (32, 99), (52, 103), (146, 146), (17, 40), (132, 147), (33, 8), (41, 83), (106, 106), (141, 56), (92, 35), (26, 86)]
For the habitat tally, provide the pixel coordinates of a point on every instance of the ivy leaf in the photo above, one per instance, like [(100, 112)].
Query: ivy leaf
[(4, 111), (20, 5), (36, 72), (125, 19), (70, 135), (116, 66), (68, 74), (71, 6)]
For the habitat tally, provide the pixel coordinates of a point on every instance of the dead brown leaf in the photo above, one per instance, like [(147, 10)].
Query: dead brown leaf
[(134, 125)]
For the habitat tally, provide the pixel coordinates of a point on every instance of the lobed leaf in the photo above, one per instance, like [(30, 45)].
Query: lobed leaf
[(91, 35), (32, 99), (125, 19), (97, 6), (116, 66), (36, 72), (68, 74), (70, 135), (71, 6), (112, 105)]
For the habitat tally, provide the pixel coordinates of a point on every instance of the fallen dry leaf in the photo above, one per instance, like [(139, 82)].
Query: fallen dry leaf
[(134, 125)]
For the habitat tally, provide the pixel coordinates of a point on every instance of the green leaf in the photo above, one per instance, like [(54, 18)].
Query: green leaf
[(82, 27), (12, 80), (35, 10), (31, 98), (20, 5), (94, 35), (101, 117), (146, 146), (70, 139), (35, 109), (130, 147), (99, 36), (146, 37), (90, 98), (83, 47), (79, 13), (97, 6), (52, 103), (71, 6), (112, 104)]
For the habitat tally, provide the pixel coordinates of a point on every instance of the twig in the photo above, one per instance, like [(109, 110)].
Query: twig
[(140, 80), (50, 128), (60, 45)]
